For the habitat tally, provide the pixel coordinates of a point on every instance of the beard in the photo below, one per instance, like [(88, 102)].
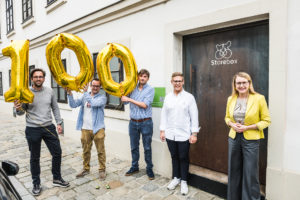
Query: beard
[(38, 85)]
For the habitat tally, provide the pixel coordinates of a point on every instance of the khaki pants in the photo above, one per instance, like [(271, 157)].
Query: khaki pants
[(87, 138)]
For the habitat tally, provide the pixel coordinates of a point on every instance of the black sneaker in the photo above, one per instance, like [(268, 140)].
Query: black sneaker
[(61, 183), (131, 171), (36, 190), (150, 174)]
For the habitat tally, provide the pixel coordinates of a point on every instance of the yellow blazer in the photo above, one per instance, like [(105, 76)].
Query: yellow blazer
[(256, 113)]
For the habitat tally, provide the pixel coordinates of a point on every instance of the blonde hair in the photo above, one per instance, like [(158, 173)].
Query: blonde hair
[(243, 75), (177, 74)]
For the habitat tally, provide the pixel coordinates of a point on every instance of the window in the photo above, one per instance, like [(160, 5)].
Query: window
[(116, 68), (1, 85), (9, 16), (9, 77), (50, 2), (31, 67), (61, 94), (26, 9), (95, 67)]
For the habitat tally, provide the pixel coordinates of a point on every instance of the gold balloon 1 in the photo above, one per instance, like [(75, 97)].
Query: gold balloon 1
[(108, 84), (53, 52), (18, 52)]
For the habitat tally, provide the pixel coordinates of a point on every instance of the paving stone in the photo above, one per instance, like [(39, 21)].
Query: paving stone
[(133, 184), (136, 194), (150, 187), (152, 196), (28, 184), (80, 181), (53, 198), (172, 197), (143, 180), (203, 195), (85, 196), (14, 147), (162, 181), (105, 197), (140, 173), (24, 174), (28, 197), (120, 191), (48, 193), (164, 192), (67, 195)]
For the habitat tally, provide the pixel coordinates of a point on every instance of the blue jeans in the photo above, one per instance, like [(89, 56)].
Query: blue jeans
[(146, 130)]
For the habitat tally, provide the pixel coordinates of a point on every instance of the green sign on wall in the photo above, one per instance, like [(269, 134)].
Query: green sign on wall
[(159, 96)]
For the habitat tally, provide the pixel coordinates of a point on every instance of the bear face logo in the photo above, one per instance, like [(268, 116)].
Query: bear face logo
[(223, 51)]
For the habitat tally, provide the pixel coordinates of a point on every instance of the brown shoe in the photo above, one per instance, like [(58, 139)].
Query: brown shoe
[(102, 175), (82, 173)]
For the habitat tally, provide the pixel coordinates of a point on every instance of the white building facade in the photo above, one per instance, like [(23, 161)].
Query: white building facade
[(156, 32)]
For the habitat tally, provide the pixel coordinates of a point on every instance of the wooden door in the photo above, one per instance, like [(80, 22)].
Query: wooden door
[(210, 60)]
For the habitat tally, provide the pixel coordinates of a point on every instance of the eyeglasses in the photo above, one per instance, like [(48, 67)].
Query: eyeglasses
[(177, 81), (36, 77), (242, 83), (96, 86)]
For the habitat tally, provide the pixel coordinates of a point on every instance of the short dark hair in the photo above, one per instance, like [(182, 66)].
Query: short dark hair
[(144, 71), (95, 79), (37, 70)]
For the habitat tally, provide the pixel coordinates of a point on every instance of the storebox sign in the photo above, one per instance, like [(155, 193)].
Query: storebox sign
[(223, 55)]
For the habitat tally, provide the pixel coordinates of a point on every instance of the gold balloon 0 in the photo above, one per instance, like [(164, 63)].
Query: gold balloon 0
[(18, 52), (108, 84), (53, 52)]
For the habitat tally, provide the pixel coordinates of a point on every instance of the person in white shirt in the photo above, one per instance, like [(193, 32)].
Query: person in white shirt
[(179, 127)]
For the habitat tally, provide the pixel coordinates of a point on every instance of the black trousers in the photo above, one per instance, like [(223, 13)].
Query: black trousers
[(180, 158), (34, 136)]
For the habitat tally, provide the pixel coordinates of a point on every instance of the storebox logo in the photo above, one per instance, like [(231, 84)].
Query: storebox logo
[(223, 54)]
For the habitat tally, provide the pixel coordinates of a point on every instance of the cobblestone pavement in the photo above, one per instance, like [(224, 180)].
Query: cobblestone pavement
[(14, 147)]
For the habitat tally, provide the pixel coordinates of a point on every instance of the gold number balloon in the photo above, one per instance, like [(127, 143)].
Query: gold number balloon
[(53, 52), (18, 52), (108, 84)]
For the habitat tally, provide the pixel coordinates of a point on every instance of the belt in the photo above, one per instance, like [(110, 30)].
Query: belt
[(140, 120)]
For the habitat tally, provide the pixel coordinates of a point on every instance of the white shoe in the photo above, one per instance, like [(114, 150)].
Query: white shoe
[(172, 185), (184, 188)]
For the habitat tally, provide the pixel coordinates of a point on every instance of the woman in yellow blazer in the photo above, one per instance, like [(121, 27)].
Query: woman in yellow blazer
[(247, 115)]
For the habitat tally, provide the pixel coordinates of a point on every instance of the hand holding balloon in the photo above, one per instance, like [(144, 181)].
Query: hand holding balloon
[(18, 105)]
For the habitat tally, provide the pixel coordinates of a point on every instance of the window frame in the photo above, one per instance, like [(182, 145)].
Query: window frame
[(9, 11), (31, 67), (9, 77), (49, 2), (26, 11), (119, 107), (1, 84), (59, 100)]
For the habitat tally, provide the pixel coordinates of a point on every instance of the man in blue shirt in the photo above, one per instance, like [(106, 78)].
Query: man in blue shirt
[(91, 123), (141, 122)]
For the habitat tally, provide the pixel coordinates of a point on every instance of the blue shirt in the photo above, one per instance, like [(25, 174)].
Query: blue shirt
[(97, 103), (145, 95)]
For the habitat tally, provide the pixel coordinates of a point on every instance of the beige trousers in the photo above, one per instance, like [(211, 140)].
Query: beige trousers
[(87, 138)]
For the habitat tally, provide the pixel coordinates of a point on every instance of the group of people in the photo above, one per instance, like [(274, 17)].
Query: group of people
[(246, 114)]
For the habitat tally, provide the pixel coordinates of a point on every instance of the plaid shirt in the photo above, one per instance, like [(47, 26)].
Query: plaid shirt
[(145, 95)]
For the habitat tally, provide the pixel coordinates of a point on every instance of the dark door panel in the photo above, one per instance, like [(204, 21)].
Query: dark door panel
[(210, 60)]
